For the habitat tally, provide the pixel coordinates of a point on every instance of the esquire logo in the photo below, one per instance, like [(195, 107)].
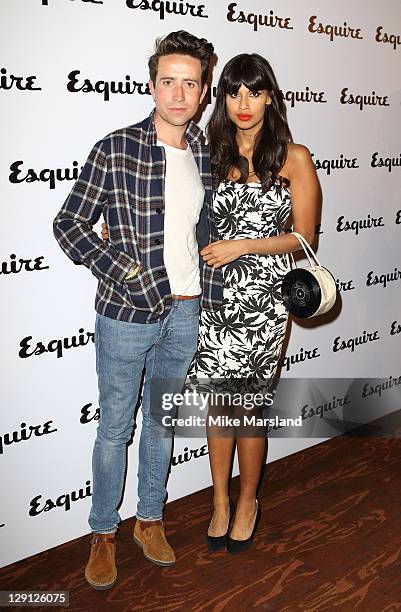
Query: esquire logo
[(339, 163), (257, 20), (37, 505), (188, 454), (356, 225), (340, 344), (305, 95), (29, 348), (361, 101), (89, 414), (46, 175), (392, 39), (169, 7), (333, 31), (290, 96), (395, 328), (10, 81), (320, 410), (24, 433), (299, 357), (344, 286), (385, 162), (378, 389), (15, 266), (382, 280), (75, 84)]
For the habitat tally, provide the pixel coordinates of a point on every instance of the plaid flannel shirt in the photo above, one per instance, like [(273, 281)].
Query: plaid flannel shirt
[(123, 178)]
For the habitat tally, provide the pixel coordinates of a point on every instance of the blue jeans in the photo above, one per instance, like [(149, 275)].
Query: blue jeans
[(165, 349)]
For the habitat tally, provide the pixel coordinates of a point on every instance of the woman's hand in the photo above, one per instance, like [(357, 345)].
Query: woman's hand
[(222, 252), (105, 233)]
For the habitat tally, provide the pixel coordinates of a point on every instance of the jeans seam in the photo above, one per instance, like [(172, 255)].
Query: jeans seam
[(152, 458)]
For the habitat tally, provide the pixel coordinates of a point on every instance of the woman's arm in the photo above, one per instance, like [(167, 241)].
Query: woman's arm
[(305, 200)]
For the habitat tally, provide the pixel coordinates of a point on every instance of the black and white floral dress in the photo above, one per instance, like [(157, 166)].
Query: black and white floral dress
[(242, 341)]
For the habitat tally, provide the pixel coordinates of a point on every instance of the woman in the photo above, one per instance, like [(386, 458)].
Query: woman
[(260, 177)]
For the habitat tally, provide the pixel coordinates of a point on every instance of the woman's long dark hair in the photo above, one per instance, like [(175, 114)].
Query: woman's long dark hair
[(270, 151)]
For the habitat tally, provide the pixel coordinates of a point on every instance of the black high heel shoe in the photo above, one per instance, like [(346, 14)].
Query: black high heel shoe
[(220, 542), (237, 546)]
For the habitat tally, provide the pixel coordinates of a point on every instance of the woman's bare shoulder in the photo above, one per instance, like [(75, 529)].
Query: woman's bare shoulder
[(298, 159), (298, 153)]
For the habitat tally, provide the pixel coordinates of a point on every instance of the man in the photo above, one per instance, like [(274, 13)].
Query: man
[(152, 183)]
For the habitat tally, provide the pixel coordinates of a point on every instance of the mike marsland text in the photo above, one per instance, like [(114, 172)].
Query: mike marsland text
[(225, 421)]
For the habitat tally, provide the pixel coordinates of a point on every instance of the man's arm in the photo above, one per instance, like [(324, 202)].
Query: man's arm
[(73, 225)]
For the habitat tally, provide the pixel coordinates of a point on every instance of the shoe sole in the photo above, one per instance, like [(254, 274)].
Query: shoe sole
[(215, 547), (101, 587), (240, 550), (159, 563)]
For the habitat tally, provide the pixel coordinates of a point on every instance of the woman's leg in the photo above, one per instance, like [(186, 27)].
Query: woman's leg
[(220, 442), (220, 457), (251, 445)]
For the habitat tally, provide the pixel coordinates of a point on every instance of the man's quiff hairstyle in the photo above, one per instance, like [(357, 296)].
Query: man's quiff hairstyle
[(183, 43)]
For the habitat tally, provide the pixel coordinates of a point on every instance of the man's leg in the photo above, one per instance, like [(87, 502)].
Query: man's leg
[(121, 350), (154, 454), (166, 369)]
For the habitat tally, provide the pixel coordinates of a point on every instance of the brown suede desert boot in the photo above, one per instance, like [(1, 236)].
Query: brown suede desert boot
[(101, 571), (150, 536)]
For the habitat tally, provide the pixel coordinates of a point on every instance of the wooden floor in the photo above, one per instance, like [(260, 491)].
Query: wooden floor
[(329, 539)]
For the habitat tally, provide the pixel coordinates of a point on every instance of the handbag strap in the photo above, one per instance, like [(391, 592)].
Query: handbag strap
[(309, 252)]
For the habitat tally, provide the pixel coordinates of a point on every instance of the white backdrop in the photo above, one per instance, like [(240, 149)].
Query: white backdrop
[(327, 57)]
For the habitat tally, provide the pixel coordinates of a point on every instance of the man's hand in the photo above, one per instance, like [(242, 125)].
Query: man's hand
[(222, 252), (105, 233)]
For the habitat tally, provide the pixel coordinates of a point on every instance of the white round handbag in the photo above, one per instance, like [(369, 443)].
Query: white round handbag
[(308, 292)]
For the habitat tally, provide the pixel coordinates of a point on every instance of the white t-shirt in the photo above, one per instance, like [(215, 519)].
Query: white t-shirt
[(183, 200)]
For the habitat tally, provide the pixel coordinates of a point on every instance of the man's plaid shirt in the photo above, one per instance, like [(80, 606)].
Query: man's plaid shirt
[(123, 178)]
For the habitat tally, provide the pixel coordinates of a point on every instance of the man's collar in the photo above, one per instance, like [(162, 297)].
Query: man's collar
[(193, 133)]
